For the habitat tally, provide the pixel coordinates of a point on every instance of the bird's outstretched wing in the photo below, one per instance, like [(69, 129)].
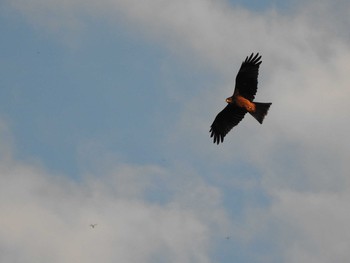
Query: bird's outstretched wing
[(247, 77), (229, 117)]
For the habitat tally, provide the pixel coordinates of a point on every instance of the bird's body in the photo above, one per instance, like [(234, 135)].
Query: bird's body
[(241, 101)]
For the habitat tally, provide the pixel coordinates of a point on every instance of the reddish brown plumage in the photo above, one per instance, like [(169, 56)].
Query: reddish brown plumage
[(241, 101)]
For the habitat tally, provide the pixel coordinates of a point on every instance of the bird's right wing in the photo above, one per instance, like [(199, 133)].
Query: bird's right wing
[(228, 118)]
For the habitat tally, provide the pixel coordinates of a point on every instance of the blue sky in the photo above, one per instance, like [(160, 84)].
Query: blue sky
[(105, 111)]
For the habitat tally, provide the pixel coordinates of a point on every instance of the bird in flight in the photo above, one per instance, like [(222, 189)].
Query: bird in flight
[(93, 225), (241, 101)]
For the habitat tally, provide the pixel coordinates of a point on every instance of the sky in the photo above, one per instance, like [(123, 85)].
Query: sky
[(105, 110)]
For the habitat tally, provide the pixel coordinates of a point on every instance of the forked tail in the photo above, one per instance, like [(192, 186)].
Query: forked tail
[(261, 110)]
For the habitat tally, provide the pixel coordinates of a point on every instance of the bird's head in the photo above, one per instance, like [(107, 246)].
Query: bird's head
[(229, 100)]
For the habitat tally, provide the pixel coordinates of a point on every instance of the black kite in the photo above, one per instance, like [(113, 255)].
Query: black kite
[(241, 101)]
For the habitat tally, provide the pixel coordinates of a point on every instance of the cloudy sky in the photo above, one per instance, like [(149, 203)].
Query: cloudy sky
[(105, 109)]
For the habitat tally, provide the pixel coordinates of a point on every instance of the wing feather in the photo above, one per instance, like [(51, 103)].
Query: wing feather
[(247, 77), (229, 117)]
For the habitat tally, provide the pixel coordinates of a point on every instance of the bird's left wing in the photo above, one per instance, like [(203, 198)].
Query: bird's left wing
[(247, 77), (229, 117)]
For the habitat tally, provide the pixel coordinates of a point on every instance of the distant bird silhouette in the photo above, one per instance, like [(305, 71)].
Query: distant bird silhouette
[(241, 101), (93, 225)]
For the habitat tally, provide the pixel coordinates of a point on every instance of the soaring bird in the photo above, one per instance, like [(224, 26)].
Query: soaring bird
[(241, 101)]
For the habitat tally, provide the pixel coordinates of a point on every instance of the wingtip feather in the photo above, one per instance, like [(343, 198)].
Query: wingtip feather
[(255, 59)]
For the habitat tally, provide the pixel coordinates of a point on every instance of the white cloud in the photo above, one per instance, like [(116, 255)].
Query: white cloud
[(46, 217), (302, 149), (315, 226)]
